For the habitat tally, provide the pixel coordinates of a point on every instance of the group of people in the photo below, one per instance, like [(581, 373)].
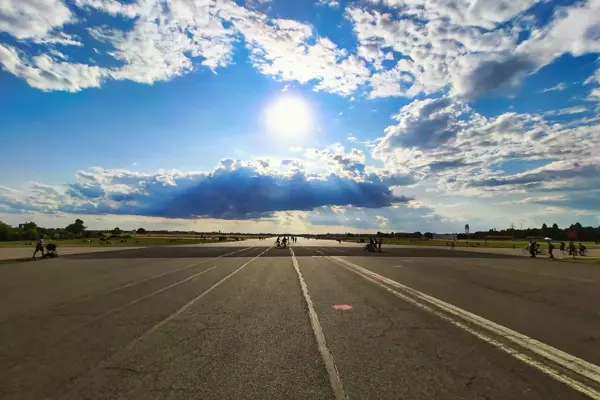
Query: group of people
[(284, 242), (374, 244), (534, 248)]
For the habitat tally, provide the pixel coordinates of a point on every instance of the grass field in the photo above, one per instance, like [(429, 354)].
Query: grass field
[(135, 241)]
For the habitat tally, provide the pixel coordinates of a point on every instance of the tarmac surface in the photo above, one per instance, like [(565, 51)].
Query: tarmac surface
[(318, 321)]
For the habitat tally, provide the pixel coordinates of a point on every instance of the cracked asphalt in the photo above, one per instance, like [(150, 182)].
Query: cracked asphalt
[(231, 322)]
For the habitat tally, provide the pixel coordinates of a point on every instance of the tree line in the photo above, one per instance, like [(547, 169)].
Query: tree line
[(31, 231), (575, 231)]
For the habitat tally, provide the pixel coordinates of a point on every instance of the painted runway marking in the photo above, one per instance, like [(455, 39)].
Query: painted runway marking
[(343, 307), (117, 356), (332, 371), (128, 285), (333, 248), (460, 317)]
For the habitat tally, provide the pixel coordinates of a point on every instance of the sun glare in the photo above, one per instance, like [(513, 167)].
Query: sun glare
[(289, 116)]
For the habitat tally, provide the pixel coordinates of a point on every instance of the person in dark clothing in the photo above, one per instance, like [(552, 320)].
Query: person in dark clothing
[(550, 249), (572, 249), (532, 247)]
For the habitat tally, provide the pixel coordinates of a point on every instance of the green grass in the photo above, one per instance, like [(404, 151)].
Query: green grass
[(133, 242)]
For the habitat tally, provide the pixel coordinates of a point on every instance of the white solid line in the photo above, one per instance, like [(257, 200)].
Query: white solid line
[(127, 285), (565, 360), (333, 248), (189, 304), (332, 371)]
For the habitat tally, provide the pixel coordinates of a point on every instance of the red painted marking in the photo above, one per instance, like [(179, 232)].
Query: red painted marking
[(378, 276), (343, 307)]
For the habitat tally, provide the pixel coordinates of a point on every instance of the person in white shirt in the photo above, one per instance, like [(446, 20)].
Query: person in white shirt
[(39, 246)]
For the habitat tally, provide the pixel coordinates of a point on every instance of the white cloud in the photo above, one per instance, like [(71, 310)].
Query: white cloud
[(33, 19), (453, 146), (111, 7), (329, 3), (434, 52), (421, 47), (566, 111), (558, 88), (45, 73), (279, 48), (574, 30), (484, 13)]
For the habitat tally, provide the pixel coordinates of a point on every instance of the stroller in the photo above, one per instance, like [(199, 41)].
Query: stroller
[(370, 247), (51, 251)]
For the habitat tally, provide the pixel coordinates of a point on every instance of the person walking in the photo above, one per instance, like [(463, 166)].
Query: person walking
[(39, 246), (532, 247), (550, 249)]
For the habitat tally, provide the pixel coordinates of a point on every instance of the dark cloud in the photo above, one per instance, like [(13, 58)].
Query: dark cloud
[(85, 191), (242, 193), (440, 166), (235, 190), (582, 201), (492, 75), (426, 124), (539, 177)]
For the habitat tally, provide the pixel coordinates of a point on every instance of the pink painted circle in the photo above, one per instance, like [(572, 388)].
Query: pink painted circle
[(343, 307)]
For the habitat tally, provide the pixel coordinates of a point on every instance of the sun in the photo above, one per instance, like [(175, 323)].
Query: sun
[(289, 116)]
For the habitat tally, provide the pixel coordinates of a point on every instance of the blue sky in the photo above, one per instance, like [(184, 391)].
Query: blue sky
[(271, 115)]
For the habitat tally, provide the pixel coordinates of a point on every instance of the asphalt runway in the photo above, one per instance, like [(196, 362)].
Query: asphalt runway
[(317, 321)]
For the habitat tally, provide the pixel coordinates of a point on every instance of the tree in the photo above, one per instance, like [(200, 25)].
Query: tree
[(76, 228), (428, 235), (417, 235), (117, 231), (141, 231), (6, 231)]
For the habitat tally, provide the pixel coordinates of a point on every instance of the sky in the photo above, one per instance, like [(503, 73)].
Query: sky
[(304, 116)]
